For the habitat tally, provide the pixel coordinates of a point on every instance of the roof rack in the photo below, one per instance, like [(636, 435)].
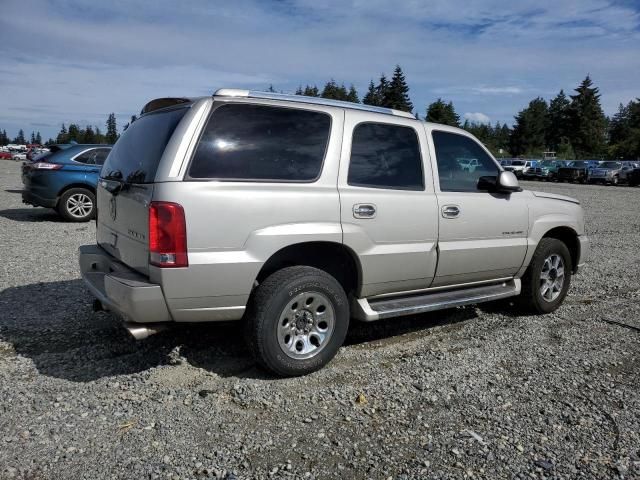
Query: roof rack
[(234, 92)]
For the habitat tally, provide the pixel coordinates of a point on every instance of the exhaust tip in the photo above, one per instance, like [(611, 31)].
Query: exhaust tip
[(140, 331)]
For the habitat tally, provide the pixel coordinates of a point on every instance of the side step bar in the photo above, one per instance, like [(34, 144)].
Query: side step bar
[(371, 310)]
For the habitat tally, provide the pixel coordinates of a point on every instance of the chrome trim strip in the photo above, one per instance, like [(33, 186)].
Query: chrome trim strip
[(437, 289)]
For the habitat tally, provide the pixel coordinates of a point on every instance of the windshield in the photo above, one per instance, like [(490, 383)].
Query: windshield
[(517, 163), (136, 155), (578, 164)]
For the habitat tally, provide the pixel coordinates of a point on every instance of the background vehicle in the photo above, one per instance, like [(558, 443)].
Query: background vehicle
[(19, 156), (606, 172), (576, 171), (517, 167), (530, 169), (295, 214), (633, 177), (5, 156), (548, 169), (626, 169), (65, 179)]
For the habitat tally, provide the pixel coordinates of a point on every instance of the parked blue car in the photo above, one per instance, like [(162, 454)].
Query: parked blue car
[(65, 179)]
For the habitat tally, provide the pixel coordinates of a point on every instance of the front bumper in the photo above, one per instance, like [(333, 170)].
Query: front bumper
[(583, 254), (121, 289)]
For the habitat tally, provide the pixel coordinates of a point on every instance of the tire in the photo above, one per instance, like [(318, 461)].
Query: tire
[(77, 205), (615, 181), (289, 345), (531, 298)]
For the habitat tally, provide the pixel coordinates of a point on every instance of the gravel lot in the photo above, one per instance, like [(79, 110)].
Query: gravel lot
[(470, 392)]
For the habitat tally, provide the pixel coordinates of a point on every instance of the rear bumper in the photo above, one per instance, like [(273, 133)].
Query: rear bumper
[(31, 198), (120, 289)]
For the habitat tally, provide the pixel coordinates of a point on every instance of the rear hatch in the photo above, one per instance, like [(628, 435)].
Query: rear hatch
[(125, 188)]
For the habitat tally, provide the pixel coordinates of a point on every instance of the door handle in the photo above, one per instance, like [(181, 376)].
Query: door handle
[(450, 211), (364, 210)]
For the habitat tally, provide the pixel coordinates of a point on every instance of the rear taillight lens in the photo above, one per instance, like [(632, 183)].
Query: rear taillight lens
[(167, 235), (47, 166)]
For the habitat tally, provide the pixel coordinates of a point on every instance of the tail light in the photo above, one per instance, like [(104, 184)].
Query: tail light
[(47, 166), (167, 235)]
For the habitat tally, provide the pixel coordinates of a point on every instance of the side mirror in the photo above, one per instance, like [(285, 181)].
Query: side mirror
[(508, 183), (505, 182)]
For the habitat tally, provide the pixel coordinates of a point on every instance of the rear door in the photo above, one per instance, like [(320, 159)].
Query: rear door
[(125, 188), (482, 235), (387, 204)]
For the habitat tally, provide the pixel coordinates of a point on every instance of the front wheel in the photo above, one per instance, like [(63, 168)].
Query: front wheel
[(546, 282), (297, 320), (77, 205)]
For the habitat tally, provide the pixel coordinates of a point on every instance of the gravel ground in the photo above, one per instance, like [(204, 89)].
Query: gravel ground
[(464, 393)]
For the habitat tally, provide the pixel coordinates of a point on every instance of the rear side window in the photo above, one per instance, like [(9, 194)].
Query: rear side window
[(385, 156), (95, 156), (257, 142), (136, 155)]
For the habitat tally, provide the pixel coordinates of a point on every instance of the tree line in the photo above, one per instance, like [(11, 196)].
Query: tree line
[(573, 126)]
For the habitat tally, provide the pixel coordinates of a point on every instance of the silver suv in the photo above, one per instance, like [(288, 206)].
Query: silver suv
[(296, 214)]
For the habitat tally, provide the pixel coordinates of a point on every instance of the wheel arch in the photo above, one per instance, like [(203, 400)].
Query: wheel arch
[(66, 188), (334, 258), (569, 237)]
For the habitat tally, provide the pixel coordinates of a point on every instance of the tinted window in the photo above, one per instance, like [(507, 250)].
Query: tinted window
[(136, 154), (385, 156), (453, 153), (101, 155), (256, 142), (88, 157)]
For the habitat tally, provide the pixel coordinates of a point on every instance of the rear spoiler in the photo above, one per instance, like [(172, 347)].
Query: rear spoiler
[(159, 103)]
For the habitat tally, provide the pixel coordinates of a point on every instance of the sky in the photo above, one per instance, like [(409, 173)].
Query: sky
[(78, 60)]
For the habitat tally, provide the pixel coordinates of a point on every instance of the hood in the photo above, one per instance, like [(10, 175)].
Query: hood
[(553, 196)]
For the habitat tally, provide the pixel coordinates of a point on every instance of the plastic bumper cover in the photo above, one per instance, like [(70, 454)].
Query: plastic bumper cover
[(121, 289)]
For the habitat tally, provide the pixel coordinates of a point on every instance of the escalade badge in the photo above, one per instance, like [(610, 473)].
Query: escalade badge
[(112, 208)]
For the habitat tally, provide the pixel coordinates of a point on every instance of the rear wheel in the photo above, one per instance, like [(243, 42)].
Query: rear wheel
[(297, 320), (77, 205), (546, 281)]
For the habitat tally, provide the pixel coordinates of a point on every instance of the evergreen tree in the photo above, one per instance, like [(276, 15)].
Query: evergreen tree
[(33, 138), (87, 135), (20, 140), (624, 132), (270, 89), (310, 91), (63, 136), (334, 91), (382, 91), (587, 121), (352, 95), (38, 138), (443, 113), (74, 134), (112, 129), (371, 97), (529, 132), (397, 92), (4, 139), (559, 121), (299, 90)]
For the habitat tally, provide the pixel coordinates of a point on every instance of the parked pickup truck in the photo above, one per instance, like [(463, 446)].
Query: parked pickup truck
[(295, 214)]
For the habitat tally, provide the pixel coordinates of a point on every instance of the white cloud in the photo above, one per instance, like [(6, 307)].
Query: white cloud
[(90, 58), (476, 117)]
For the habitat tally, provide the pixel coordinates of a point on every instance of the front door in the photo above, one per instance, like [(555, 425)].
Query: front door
[(483, 236), (388, 208)]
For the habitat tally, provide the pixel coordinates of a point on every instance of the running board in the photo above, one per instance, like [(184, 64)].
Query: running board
[(371, 310)]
